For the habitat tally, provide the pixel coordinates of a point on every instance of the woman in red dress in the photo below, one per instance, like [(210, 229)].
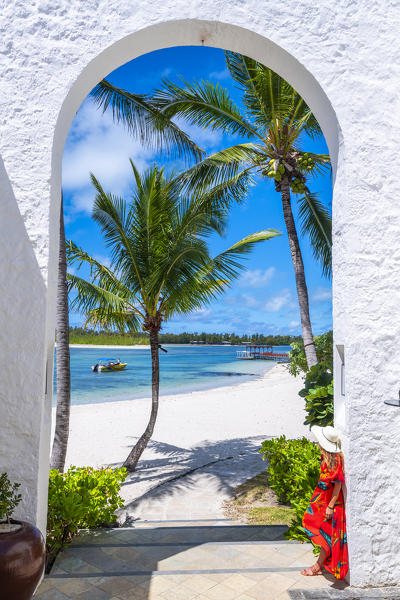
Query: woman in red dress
[(325, 520)]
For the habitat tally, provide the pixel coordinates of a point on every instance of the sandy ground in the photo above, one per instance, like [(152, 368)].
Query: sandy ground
[(269, 406), (192, 430)]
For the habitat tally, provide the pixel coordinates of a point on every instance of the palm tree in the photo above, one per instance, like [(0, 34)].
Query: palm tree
[(275, 123), (61, 433), (160, 263), (155, 130)]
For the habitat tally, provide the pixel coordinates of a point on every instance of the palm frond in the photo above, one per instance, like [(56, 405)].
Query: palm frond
[(220, 168), (229, 191), (110, 213), (90, 295), (105, 277), (260, 98), (269, 98), (316, 223), (145, 121), (203, 104), (110, 319), (215, 275), (227, 264)]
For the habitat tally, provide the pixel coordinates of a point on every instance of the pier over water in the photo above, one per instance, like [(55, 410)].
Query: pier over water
[(261, 352)]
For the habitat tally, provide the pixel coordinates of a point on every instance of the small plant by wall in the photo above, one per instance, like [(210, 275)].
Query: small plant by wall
[(81, 498), (9, 498)]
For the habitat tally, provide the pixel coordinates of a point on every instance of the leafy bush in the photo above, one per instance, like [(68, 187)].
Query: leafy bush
[(293, 472), (318, 392), (323, 347), (9, 499), (78, 499)]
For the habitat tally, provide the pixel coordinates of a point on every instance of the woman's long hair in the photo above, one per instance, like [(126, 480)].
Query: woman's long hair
[(331, 459)]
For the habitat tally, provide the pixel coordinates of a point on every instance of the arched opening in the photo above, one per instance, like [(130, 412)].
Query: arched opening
[(200, 33), (213, 34)]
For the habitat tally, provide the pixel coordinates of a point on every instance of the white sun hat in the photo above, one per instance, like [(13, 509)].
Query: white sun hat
[(328, 437)]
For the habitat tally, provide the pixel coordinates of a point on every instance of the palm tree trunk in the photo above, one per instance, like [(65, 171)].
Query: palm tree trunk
[(301, 286), (61, 434), (141, 444)]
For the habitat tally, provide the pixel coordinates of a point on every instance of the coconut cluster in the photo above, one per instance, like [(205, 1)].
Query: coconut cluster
[(305, 162), (297, 186), (276, 170)]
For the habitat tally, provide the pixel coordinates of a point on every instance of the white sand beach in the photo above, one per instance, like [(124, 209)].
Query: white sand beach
[(192, 429)]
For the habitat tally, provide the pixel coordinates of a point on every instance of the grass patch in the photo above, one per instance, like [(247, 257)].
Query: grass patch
[(254, 503), (270, 515)]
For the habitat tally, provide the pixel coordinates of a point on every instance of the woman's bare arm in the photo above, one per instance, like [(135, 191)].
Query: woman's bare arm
[(333, 500)]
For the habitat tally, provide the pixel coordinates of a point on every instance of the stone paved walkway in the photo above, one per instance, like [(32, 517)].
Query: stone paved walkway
[(202, 560)]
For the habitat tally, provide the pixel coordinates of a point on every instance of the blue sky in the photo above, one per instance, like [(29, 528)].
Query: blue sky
[(264, 299)]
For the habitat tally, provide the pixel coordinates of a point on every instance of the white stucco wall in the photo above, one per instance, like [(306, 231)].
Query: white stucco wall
[(342, 56)]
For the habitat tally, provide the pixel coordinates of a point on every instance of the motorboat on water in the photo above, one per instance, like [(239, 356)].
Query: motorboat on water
[(106, 365)]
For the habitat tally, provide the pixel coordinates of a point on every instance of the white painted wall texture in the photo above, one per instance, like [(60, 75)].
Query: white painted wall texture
[(342, 56)]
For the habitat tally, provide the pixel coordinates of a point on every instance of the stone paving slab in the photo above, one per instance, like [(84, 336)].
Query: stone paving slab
[(206, 560)]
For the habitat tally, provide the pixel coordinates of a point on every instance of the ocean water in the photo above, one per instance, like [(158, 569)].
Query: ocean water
[(182, 369)]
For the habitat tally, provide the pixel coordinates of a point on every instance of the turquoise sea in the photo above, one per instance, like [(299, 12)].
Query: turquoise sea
[(182, 369)]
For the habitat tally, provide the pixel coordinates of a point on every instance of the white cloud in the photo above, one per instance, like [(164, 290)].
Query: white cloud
[(166, 72), (293, 324), (96, 144), (277, 302), (81, 201), (321, 294), (200, 313), (249, 300), (104, 260), (223, 74), (257, 277)]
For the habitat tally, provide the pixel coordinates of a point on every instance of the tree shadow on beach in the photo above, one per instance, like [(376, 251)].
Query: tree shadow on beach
[(228, 462)]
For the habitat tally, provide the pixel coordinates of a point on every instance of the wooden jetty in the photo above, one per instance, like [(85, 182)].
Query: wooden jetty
[(261, 352)]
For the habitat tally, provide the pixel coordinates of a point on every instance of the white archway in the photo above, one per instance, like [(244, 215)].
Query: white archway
[(315, 50)]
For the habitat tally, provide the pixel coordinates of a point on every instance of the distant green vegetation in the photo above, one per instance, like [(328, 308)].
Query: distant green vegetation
[(78, 335)]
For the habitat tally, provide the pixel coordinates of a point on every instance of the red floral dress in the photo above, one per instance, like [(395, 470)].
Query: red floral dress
[(330, 534)]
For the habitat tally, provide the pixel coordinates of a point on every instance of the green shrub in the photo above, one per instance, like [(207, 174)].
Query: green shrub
[(78, 499), (323, 347), (318, 392), (9, 499), (293, 472)]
